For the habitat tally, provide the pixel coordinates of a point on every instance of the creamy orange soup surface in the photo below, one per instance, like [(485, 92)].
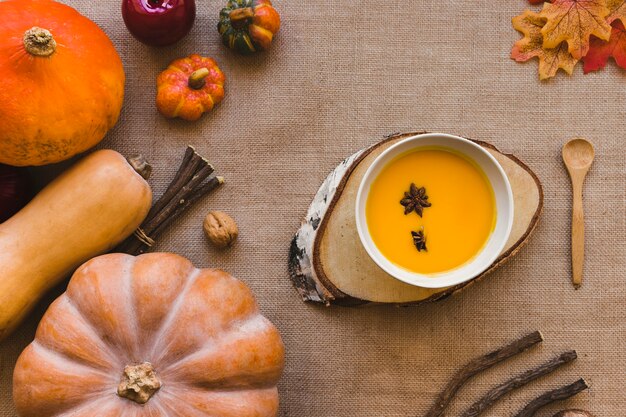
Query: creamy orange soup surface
[(456, 226)]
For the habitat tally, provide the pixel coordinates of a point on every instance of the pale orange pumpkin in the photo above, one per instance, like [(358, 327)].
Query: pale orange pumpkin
[(151, 336), (61, 82)]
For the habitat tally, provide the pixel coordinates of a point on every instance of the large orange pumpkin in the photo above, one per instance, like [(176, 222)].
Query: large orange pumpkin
[(61, 82), (150, 336)]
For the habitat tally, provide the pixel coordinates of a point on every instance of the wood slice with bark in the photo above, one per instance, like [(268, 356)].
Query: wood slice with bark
[(328, 264)]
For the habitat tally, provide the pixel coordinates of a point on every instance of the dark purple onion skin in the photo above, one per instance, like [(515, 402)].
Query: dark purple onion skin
[(15, 190), (159, 22)]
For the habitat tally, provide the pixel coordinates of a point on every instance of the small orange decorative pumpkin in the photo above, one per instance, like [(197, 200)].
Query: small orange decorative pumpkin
[(189, 87), (61, 82), (248, 26), (151, 336)]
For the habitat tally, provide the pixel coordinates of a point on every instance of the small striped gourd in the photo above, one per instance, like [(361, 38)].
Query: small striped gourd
[(248, 26)]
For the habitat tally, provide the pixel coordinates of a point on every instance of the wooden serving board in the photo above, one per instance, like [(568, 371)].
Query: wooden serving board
[(328, 264)]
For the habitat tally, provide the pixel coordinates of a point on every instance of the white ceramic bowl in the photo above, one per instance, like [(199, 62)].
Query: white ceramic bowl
[(504, 210)]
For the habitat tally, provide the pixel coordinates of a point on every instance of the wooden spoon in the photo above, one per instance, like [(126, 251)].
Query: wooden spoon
[(578, 155)]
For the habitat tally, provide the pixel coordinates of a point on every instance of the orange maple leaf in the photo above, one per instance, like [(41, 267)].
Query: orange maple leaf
[(574, 21), (530, 25), (617, 10), (600, 51)]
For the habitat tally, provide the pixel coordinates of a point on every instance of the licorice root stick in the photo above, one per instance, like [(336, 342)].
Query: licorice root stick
[(517, 382), (549, 397), (478, 365)]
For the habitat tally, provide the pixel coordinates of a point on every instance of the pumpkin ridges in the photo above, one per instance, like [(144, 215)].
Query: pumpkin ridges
[(85, 317), (107, 301), (104, 406), (251, 403), (267, 17), (217, 297), (174, 406), (113, 349), (66, 331), (158, 349), (50, 354), (40, 370), (190, 110), (261, 36), (158, 284), (248, 354)]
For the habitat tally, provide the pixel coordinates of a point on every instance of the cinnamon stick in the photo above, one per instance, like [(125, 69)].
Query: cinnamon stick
[(177, 200), (181, 177), (187, 187), (549, 397), (478, 365), (182, 205), (519, 381)]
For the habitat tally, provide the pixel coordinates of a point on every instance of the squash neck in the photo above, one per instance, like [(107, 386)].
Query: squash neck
[(39, 42), (139, 383), (240, 18)]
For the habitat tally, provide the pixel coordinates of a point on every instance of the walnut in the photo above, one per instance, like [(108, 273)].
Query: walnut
[(220, 228)]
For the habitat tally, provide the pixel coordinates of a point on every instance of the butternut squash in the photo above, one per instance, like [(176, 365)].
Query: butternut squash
[(85, 212)]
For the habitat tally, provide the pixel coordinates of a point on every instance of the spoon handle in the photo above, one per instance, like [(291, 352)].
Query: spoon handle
[(578, 232)]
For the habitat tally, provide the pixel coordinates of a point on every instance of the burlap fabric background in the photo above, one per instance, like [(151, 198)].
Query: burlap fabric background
[(341, 75)]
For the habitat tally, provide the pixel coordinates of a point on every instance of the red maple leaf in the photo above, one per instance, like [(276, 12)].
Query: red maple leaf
[(600, 51), (539, 1)]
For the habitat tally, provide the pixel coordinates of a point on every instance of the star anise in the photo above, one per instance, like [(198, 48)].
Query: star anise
[(415, 200), (419, 240)]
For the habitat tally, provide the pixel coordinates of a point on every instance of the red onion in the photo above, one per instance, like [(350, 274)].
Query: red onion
[(15, 190)]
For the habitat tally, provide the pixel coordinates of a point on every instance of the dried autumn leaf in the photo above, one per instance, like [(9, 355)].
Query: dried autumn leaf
[(574, 21), (600, 51), (531, 46), (535, 1), (617, 10)]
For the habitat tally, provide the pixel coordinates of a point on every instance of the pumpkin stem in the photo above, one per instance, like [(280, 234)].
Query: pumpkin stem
[(140, 165), (39, 42), (197, 78), (139, 383), (239, 18)]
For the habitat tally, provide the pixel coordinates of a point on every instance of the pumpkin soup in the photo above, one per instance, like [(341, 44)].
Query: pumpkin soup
[(430, 210)]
